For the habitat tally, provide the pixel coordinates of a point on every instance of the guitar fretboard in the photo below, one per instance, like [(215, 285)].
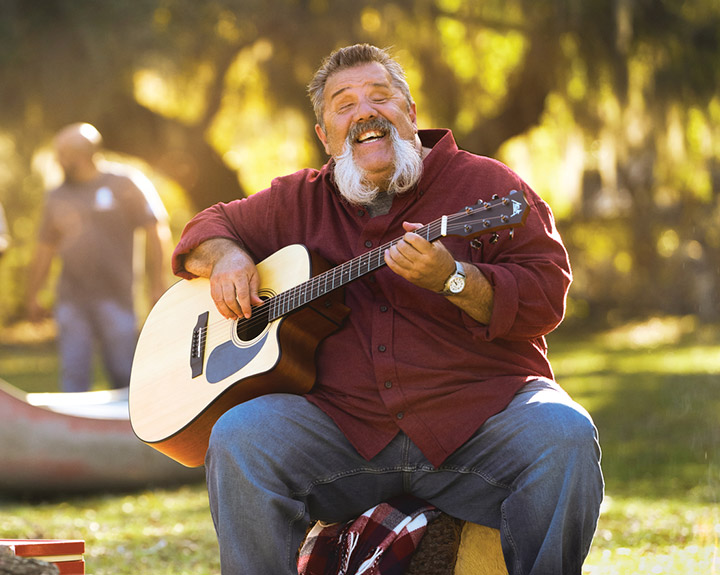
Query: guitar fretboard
[(339, 276)]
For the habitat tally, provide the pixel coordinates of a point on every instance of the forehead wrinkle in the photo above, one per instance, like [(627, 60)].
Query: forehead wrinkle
[(371, 84)]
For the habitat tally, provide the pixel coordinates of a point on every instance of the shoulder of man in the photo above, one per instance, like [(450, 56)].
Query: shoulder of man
[(131, 180), (306, 176)]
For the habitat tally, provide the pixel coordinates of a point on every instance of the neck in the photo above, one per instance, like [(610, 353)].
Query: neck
[(84, 174)]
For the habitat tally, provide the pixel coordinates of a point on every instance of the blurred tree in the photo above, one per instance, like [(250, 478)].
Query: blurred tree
[(611, 106)]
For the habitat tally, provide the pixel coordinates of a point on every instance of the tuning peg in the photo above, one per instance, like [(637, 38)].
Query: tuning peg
[(495, 196), (512, 233), (476, 244), (494, 238)]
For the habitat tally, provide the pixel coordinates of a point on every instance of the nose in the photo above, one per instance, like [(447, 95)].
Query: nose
[(364, 111)]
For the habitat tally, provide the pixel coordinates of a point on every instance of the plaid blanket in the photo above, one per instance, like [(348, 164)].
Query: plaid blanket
[(379, 542)]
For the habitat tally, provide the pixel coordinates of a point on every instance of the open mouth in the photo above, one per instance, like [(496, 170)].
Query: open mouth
[(370, 136), (370, 131)]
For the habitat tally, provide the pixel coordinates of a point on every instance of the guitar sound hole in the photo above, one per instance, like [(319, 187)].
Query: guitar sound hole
[(249, 329)]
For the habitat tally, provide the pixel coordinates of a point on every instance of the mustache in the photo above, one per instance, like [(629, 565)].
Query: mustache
[(350, 179), (379, 124)]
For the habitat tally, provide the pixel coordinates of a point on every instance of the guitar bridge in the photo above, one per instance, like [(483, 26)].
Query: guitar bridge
[(197, 348)]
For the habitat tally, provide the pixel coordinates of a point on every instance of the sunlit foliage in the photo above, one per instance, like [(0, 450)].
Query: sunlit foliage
[(609, 111)]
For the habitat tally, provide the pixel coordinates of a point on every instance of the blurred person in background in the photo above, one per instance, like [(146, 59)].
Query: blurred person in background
[(90, 221)]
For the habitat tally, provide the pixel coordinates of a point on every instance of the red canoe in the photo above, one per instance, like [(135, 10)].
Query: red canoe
[(77, 442)]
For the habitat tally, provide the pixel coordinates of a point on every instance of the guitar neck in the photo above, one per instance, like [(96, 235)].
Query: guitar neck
[(483, 218), (339, 276)]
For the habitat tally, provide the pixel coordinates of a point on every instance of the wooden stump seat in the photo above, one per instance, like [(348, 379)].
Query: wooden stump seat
[(480, 552), (454, 547)]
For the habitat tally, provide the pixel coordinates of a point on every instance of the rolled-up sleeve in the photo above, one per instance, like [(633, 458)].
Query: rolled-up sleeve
[(213, 222), (530, 276)]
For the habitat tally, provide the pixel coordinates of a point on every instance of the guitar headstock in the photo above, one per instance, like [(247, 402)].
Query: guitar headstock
[(488, 217)]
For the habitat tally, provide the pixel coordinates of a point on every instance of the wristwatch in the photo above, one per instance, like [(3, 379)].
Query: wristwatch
[(456, 282)]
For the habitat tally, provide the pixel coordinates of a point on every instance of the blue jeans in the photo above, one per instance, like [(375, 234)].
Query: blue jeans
[(80, 327), (532, 471)]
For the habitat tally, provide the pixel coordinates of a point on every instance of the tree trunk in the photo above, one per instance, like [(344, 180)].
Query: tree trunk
[(177, 150), (525, 101)]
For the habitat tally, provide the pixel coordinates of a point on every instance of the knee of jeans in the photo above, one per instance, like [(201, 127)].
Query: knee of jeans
[(246, 429), (570, 428), (232, 430)]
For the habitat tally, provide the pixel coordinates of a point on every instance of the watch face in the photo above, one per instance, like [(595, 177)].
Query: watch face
[(456, 284)]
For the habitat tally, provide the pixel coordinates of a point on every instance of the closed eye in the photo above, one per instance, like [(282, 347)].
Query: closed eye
[(344, 107)]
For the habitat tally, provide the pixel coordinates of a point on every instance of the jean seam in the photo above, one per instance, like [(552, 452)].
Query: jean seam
[(505, 530), (470, 471), (407, 468), (290, 552), (342, 475)]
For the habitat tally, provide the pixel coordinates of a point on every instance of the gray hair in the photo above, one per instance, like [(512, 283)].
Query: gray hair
[(349, 57)]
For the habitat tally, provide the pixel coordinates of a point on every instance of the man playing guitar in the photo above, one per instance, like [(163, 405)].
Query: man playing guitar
[(437, 384)]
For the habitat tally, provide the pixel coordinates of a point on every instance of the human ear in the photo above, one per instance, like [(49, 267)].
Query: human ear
[(323, 138)]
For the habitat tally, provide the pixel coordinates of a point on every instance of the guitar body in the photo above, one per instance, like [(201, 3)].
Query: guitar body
[(191, 365)]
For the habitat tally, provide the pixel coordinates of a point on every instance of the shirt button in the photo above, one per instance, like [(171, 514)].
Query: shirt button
[(383, 308), (388, 384), (400, 415), (381, 348), (368, 244)]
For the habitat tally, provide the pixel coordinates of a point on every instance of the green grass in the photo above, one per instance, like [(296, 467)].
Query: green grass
[(654, 392), (158, 532), (652, 388)]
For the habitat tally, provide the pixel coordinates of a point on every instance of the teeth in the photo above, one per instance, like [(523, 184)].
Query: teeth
[(370, 135)]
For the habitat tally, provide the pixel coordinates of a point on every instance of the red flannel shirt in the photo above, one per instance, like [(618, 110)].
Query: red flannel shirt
[(407, 358)]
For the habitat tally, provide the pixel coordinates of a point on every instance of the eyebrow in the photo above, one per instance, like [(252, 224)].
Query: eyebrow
[(373, 84)]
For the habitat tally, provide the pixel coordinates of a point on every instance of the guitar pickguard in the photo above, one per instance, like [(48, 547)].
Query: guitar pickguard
[(227, 359)]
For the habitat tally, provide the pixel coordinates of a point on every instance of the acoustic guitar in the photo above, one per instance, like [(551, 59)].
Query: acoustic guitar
[(191, 364)]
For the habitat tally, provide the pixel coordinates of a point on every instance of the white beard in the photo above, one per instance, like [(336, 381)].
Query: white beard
[(354, 186)]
